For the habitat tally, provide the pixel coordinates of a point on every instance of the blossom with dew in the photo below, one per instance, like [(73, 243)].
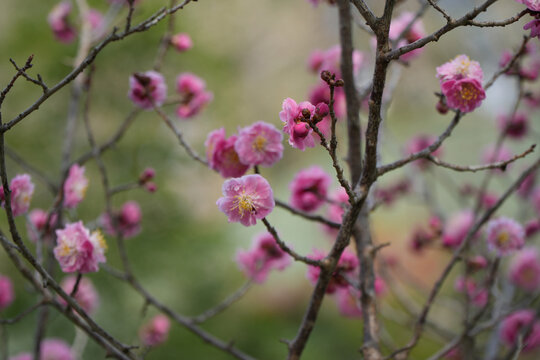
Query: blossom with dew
[(419, 143), (456, 228), (515, 127), (347, 266), (295, 123), (194, 96), (525, 269), (22, 189), (309, 189), (533, 5), (330, 60), (246, 199), (75, 186), (259, 144), (51, 349), (493, 154), (147, 89), (58, 21), (86, 295), (513, 325), (222, 156), (7, 295), (461, 83), (128, 221), (348, 302), (263, 256), (181, 42), (416, 31), (505, 235), (156, 331), (37, 224), (78, 250)]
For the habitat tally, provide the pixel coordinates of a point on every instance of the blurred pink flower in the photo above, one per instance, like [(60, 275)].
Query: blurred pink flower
[(22, 189), (419, 143), (128, 221), (347, 266), (534, 5), (456, 228), (517, 127), (264, 255), (38, 220), (461, 67), (7, 295), (330, 60), (86, 295), (416, 32), (146, 89), (79, 251), (181, 42), (58, 21), (51, 349), (246, 199), (525, 269), (515, 323), (259, 144), (192, 89), (309, 188), (505, 235), (156, 331), (75, 186), (222, 156), (534, 26), (348, 302)]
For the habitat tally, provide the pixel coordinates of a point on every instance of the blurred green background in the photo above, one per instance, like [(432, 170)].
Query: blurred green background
[(252, 55)]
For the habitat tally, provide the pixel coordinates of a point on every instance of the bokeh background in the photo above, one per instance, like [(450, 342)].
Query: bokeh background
[(252, 55)]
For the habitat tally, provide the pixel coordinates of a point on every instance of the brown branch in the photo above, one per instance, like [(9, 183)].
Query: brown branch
[(307, 216), (440, 10), (522, 49), (234, 297)]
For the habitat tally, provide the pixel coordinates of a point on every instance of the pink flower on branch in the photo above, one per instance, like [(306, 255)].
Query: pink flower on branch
[(79, 251), (128, 221), (222, 155), (75, 186), (309, 189), (51, 349), (146, 89), (246, 199), (7, 295), (514, 324), (505, 235), (295, 117), (22, 189), (156, 331), (86, 295), (419, 143), (330, 60), (534, 26), (533, 5), (58, 21), (192, 89), (181, 42), (37, 224), (347, 266), (516, 127), (259, 144), (264, 255), (457, 228), (416, 32), (525, 270)]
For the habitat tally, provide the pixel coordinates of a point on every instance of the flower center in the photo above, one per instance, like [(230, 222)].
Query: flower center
[(244, 203), (468, 92), (503, 238), (260, 143)]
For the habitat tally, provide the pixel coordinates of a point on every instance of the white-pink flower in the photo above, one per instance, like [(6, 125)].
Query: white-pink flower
[(246, 199), (75, 186), (79, 251), (259, 144), (264, 256), (22, 189), (505, 235), (146, 89)]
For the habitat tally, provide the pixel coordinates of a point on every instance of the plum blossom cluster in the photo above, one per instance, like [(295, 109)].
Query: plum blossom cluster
[(126, 222), (263, 256), (461, 83), (256, 144), (533, 25), (297, 120), (78, 250), (22, 189)]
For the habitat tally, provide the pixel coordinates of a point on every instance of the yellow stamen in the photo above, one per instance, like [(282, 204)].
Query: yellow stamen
[(260, 143), (243, 203)]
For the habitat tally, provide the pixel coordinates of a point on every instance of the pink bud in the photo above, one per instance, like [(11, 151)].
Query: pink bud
[(150, 187), (322, 109), (182, 42), (441, 108), (301, 130), (156, 331), (146, 175)]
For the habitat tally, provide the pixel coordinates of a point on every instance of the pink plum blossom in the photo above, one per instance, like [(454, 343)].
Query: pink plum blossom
[(330, 60), (22, 189), (181, 42), (37, 224), (264, 255), (515, 127), (309, 188), (320, 93), (128, 221), (222, 156), (86, 295), (505, 235), (192, 89), (419, 143), (295, 124), (457, 228), (75, 186), (534, 26), (246, 199), (461, 67), (58, 21), (51, 349), (514, 324), (533, 5), (96, 20), (415, 32), (259, 144), (525, 269), (7, 295), (348, 302), (79, 251), (532, 227), (156, 331), (147, 89), (347, 266)]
